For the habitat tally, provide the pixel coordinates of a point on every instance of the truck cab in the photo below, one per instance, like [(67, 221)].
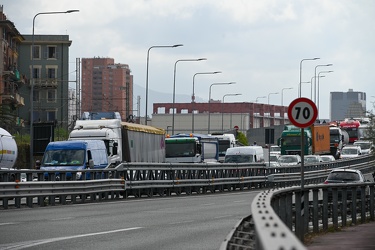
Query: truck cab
[(74, 155)]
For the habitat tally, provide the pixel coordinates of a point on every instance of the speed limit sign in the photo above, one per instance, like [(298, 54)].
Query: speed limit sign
[(302, 112)]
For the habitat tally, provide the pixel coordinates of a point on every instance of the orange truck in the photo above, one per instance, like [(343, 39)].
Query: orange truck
[(320, 137)]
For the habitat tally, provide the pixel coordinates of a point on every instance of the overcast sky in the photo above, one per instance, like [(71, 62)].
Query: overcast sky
[(257, 44)]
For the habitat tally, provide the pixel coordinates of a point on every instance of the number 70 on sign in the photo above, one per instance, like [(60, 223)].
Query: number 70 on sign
[(302, 112)]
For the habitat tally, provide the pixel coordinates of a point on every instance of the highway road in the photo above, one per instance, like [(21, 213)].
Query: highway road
[(181, 222)]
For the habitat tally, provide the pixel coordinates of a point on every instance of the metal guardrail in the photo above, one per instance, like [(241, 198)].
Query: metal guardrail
[(281, 221), (158, 179)]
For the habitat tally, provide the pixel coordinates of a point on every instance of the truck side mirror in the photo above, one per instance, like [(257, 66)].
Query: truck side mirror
[(115, 146), (90, 164)]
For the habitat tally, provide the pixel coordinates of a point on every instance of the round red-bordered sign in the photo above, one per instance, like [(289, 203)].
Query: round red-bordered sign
[(302, 112)]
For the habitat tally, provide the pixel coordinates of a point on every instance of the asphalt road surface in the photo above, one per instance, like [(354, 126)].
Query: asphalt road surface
[(183, 222)]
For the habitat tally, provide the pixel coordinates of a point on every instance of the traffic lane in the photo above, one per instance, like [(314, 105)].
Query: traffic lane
[(143, 221)]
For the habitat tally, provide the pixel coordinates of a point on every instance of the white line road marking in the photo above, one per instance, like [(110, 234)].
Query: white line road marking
[(23, 245), (8, 223)]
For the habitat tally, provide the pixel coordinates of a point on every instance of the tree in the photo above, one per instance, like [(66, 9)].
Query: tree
[(241, 139), (371, 124)]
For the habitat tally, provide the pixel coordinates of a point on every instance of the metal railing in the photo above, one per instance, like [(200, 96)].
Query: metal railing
[(281, 218), (158, 179)]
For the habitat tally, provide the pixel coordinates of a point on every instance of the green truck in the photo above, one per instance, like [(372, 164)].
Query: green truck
[(317, 140)]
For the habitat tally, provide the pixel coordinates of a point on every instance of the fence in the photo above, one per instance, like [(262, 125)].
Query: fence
[(282, 217)]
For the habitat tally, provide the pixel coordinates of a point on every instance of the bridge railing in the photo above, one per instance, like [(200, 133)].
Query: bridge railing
[(281, 217), (158, 179)]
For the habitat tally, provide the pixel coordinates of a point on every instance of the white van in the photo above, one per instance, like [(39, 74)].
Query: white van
[(245, 154)]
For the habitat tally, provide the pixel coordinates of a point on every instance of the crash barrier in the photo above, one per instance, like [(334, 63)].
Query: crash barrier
[(158, 179), (281, 218), (62, 192)]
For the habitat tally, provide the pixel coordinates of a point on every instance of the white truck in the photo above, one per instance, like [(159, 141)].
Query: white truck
[(225, 141), (125, 142), (8, 150)]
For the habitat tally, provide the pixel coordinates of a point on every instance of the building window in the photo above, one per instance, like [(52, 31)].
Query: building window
[(51, 52), (36, 95), (51, 115), (36, 52), (36, 72), (51, 95), (51, 73)]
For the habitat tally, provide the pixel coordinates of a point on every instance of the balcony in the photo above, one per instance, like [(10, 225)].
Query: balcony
[(45, 83), (14, 98)]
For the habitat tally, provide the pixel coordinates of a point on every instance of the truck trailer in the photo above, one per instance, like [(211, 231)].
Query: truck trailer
[(317, 140), (125, 142), (8, 150)]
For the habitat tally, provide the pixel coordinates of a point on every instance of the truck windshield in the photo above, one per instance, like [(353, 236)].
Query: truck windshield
[(223, 146), (334, 138), (291, 140), (187, 149), (63, 157)]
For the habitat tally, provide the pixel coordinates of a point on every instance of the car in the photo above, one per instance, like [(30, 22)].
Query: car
[(274, 157), (23, 177), (272, 164), (274, 149), (289, 160), (366, 146), (311, 159), (327, 158), (350, 151), (341, 176)]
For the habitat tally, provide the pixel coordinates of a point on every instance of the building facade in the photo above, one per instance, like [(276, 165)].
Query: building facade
[(216, 116), (351, 104), (48, 70), (12, 78), (107, 87)]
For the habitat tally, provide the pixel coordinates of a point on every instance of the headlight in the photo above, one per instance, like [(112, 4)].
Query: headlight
[(78, 175)]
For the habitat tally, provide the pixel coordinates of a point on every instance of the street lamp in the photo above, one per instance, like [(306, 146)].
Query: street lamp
[(282, 93), (193, 96), (222, 111), (33, 81), (259, 97), (318, 87), (209, 101), (148, 56), (300, 72), (174, 85), (322, 65), (275, 93)]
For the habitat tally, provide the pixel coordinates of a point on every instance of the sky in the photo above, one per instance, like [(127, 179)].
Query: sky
[(263, 46)]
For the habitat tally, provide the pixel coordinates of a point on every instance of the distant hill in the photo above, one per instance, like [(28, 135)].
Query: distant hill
[(157, 97)]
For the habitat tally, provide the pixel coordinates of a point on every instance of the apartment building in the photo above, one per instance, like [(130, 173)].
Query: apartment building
[(106, 87), (347, 105), (12, 78)]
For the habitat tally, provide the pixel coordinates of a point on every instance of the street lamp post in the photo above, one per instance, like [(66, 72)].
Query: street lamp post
[(174, 85), (300, 71), (259, 97), (209, 101), (33, 80), (318, 87), (193, 96), (148, 57), (322, 65), (275, 93), (282, 94), (222, 110)]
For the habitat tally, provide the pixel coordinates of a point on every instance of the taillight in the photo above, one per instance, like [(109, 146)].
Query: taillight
[(325, 182)]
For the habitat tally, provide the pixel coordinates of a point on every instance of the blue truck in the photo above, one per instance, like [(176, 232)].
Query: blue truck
[(74, 155)]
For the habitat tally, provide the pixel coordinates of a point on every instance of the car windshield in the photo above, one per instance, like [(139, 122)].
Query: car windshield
[(238, 158), (343, 176), (363, 145), (311, 159), (327, 158), (288, 159), (349, 151)]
